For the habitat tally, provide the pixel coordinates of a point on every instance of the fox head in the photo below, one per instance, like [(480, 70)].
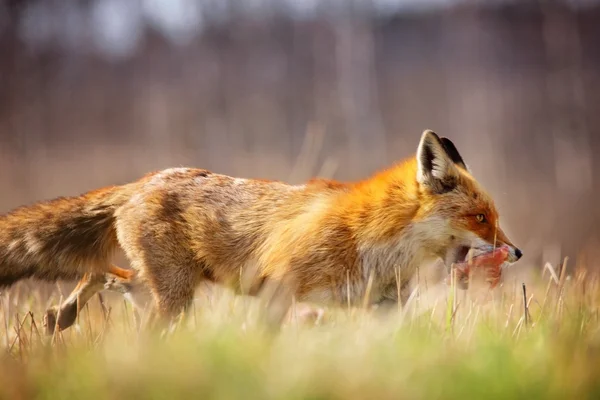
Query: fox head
[(457, 210)]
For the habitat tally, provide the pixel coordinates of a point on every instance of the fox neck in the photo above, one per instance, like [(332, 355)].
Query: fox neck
[(386, 219)]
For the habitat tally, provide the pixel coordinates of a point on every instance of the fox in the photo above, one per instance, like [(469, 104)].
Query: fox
[(325, 241)]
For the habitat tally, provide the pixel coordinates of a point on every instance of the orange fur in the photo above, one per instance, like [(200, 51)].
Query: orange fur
[(321, 241)]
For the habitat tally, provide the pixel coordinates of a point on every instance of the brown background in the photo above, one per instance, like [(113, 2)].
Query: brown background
[(517, 87)]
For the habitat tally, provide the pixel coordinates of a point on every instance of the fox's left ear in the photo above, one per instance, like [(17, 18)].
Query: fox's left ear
[(436, 168)]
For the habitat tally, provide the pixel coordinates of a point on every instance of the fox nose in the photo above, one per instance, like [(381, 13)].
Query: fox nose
[(518, 253)]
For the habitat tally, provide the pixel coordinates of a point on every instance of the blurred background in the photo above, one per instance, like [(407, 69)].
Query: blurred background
[(100, 92)]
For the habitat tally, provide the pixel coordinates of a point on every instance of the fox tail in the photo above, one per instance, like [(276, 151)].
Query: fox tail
[(61, 238)]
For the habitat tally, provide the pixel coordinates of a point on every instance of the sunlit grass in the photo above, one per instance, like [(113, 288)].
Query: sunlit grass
[(461, 347)]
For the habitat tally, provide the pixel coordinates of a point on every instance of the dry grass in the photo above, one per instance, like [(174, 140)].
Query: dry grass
[(463, 346)]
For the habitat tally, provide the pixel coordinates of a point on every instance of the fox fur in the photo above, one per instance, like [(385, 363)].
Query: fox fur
[(323, 241)]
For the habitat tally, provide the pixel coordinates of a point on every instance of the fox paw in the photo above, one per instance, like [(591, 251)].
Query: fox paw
[(61, 318)]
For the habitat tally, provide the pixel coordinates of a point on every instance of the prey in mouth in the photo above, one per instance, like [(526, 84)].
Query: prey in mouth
[(487, 261)]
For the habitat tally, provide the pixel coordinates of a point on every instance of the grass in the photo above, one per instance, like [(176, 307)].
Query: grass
[(463, 346)]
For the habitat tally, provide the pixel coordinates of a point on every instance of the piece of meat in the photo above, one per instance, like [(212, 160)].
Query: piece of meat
[(488, 263)]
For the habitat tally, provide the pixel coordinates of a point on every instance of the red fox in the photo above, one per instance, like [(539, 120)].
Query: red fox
[(324, 241)]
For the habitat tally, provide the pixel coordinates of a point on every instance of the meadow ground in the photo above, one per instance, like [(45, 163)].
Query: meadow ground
[(463, 347)]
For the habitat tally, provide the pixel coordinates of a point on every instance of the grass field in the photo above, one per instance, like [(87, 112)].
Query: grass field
[(464, 346)]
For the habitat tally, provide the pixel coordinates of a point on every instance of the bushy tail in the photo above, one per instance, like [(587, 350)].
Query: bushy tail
[(61, 238)]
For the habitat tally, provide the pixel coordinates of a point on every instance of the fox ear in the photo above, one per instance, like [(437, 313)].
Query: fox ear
[(453, 153), (436, 169)]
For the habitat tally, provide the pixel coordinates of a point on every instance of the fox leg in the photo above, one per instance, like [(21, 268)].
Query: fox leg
[(277, 296), (173, 291), (87, 287)]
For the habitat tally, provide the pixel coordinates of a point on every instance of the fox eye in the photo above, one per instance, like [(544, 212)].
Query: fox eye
[(481, 218)]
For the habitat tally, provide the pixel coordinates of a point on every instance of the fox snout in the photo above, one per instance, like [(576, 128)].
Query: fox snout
[(514, 254)]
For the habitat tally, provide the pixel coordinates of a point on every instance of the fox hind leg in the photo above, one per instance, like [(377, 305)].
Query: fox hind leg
[(65, 315), (172, 289)]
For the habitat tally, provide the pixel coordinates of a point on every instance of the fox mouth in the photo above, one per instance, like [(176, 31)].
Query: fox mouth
[(462, 254), (457, 255)]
